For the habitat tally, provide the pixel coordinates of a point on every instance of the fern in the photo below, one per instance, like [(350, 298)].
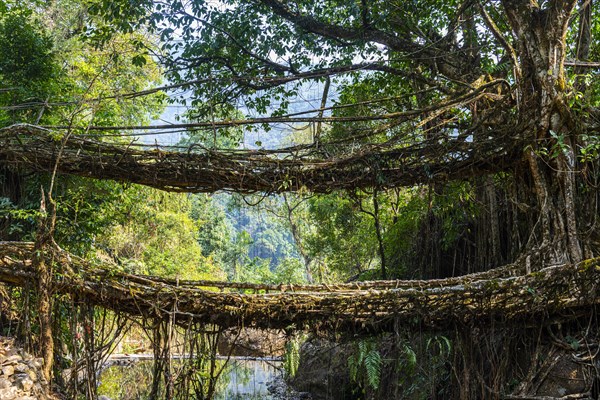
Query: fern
[(363, 348), (373, 368), (439, 346), (406, 364), (292, 356), (365, 364), (411, 358)]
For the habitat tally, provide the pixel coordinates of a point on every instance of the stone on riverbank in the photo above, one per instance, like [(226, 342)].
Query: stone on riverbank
[(20, 374)]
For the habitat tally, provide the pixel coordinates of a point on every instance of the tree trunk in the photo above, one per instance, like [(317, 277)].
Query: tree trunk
[(306, 259), (159, 362), (584, 41), (546, 122), (45, 318), (44, 292), (379, 234)]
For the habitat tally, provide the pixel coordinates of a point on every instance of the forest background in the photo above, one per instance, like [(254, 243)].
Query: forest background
[(467, 133), (54, 73)]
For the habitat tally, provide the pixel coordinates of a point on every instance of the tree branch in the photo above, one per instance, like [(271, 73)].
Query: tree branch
[(503, 42), (428, 55)]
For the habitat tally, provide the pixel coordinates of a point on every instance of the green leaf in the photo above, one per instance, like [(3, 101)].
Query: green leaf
[(139, 60), (574, 343), (373, 368)]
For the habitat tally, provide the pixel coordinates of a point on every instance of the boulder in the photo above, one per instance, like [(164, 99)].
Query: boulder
[(565, 377), (23, 382), (9, 393), (323, 371), (252, 343)]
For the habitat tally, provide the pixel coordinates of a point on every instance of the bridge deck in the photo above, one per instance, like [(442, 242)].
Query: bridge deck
[(495, 296), (198, 169)]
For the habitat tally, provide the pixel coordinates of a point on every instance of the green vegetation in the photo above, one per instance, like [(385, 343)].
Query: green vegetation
[(365, 365), (467, 131), (127, 383)]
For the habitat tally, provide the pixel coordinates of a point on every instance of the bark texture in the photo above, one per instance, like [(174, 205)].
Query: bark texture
[(551, 294)]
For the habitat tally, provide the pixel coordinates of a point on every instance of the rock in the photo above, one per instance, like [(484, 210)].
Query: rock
[(323, 371), (13, 359), (281, 391), (23, 382), (21, 377), (103, 397), (9, 393), (21, 368), (8, 370), (565, 377), (32, 375)]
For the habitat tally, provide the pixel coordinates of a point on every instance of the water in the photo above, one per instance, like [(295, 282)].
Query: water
[(242, 379), (248, 379)]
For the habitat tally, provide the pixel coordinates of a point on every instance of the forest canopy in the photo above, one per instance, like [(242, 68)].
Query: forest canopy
[(272, 145), (456, 135)]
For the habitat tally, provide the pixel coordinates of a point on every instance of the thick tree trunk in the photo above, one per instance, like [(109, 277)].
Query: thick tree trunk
[(545, 120)]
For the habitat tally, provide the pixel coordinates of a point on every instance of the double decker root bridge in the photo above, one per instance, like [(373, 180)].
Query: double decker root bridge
[(507, 294)]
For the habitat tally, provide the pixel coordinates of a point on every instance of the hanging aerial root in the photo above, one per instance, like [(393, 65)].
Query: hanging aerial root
[(553, 293), (198, 169)]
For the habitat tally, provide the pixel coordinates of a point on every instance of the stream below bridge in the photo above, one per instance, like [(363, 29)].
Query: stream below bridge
[(129, 377)]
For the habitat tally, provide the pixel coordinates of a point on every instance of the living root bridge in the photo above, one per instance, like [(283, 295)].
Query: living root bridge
[(197, 169), (553, 293)]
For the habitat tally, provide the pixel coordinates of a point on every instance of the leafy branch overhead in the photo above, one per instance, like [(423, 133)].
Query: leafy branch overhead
[(392, 58), (430, 140)]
